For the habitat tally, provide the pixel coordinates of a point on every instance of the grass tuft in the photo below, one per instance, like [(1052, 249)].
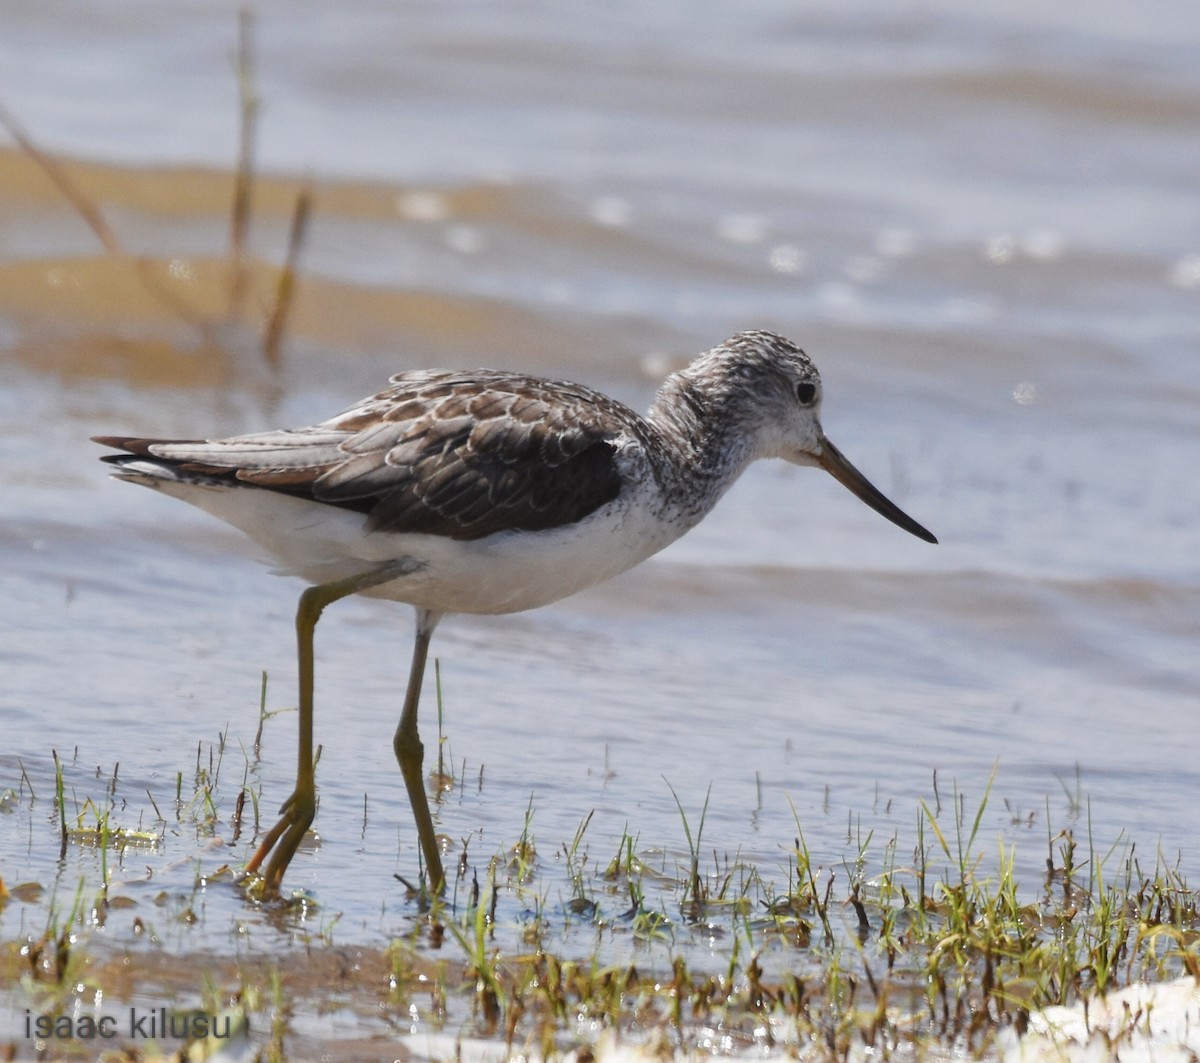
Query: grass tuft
[(552, 952)]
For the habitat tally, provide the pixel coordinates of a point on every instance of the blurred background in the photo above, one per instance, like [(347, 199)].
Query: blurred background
[(982, 222)]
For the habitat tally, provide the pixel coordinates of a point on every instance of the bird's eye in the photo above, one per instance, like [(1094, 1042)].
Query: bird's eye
[(806, 392)]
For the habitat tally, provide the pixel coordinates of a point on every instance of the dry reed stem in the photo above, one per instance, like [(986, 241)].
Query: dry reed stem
[(286, 288), (243, 186), (63, 182)]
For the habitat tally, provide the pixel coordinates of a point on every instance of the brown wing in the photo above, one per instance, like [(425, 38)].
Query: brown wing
[(463, 455)]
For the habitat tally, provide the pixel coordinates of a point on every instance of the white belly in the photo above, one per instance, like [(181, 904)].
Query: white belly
[(503, 573)]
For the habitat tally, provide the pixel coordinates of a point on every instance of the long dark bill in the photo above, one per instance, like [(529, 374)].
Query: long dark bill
[(834, 462)]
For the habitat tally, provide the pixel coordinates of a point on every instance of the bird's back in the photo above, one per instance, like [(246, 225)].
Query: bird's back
[(458, 454)]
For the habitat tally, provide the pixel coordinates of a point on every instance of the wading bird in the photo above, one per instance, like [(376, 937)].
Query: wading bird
[(489, 492)]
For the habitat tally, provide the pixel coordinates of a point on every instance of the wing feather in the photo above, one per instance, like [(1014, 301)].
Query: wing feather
[(463, 455)]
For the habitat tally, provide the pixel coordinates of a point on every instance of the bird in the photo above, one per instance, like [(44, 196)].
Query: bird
[(488, 492)]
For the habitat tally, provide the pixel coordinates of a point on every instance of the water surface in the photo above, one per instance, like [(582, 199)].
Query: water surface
[(982, 226)]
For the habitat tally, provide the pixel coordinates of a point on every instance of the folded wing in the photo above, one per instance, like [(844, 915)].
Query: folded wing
[(463, 455)]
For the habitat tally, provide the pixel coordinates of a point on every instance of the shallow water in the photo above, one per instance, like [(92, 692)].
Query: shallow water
[(983, 227)]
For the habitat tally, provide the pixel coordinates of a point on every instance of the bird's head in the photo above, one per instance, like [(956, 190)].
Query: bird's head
[(779, 389)]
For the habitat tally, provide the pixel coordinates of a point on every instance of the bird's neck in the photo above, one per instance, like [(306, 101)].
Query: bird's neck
[(705, 444)]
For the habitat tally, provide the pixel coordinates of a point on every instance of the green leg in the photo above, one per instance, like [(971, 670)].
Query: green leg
[(410, 752), (296, 815)]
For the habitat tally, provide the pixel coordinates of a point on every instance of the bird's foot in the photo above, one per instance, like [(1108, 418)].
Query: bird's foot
[(283, 839)]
